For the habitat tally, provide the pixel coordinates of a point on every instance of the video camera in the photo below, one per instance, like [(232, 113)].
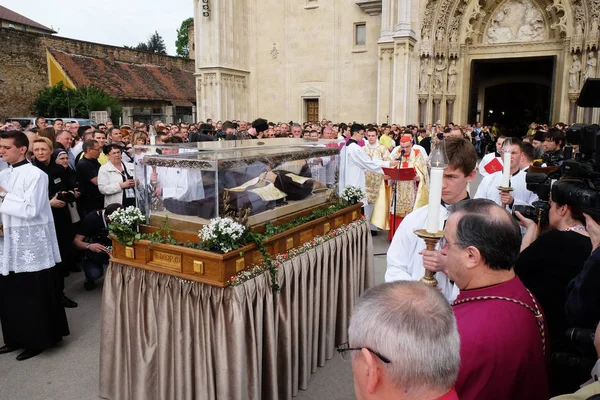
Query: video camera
[(578, 169)]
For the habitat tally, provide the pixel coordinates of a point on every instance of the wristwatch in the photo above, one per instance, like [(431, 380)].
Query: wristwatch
[(2, 196)]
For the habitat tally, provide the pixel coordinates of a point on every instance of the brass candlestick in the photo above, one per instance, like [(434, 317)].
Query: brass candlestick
[(505, 189), (431, 240)]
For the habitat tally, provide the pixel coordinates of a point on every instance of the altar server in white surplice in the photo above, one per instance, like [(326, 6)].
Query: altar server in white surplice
[(354, 162), (31, 312), (488, 188)]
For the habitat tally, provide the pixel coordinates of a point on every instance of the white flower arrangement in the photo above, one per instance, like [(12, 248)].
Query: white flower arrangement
[(222, 234), (128, 216), (123, 224), (352, 194)]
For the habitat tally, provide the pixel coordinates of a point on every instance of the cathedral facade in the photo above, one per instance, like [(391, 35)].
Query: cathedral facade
[(395, 61)]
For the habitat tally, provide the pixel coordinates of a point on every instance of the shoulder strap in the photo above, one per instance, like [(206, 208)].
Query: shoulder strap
[(539, 318)]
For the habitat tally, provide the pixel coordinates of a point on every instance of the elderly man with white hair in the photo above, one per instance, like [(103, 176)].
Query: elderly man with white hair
[(403, 343)]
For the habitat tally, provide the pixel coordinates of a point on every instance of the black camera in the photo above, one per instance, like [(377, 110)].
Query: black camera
[(580, 181), (67, 197), (538, 211)]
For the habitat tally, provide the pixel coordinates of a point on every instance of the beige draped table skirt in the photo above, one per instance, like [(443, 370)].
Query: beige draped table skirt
[(168, 338)]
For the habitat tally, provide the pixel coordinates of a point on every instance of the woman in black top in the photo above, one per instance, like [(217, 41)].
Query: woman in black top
[(547, 264), (60, 194)]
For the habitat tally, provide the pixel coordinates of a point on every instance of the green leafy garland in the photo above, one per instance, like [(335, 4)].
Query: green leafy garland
[(163, 236), (272, 230)]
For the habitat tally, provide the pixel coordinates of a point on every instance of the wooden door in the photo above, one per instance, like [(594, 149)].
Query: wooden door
[(312, 110)]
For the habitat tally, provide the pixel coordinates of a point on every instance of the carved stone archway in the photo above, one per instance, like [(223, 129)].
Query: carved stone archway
[(456, 32)]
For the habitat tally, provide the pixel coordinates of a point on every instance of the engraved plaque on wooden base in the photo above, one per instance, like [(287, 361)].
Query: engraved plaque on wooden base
[(166, 260), (306, 236)]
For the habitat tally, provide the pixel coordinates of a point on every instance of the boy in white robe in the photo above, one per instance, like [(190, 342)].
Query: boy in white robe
[(407, 258), (31, 311)]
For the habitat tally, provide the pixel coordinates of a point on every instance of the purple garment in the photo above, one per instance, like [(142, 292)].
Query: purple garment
[(501, 346)]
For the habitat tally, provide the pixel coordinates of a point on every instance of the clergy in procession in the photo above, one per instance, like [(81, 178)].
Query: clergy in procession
[(354, 162), (411, 182), (492, 162), (376, 151), (488, 188), (31, 311), (503, 334), (407, 257)]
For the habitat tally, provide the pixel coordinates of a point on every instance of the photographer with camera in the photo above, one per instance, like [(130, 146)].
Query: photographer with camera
[(92, 237), (549, 262), (62, 198), (589, 391), (583, 294)]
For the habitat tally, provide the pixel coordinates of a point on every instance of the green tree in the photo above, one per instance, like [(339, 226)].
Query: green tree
[(182, 44), (155, 44), (57, 100)]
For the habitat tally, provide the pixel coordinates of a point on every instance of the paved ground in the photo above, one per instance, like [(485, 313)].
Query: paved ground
[(70, 371)]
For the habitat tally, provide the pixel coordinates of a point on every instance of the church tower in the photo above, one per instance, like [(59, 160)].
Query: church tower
[(222, 58)]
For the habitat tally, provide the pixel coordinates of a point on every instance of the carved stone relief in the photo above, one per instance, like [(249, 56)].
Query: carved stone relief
[(438, 74), (592, 63), (517, 21), (425, 74), (452, 72), (574, 72), (559, 10)]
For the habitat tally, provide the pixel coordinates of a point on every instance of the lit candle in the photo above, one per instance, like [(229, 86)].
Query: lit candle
[(435, 199), (506, 170)]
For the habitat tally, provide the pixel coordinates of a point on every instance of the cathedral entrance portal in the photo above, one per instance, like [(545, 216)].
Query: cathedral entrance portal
[(512, 92)]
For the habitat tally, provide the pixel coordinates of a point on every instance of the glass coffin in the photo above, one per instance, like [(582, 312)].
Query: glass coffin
[(260, 180)]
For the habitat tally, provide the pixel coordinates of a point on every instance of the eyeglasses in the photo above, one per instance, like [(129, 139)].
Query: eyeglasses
[(445, 243), (344, 349)]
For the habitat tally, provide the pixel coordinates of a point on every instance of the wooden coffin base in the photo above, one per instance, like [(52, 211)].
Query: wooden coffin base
[(216, 269)]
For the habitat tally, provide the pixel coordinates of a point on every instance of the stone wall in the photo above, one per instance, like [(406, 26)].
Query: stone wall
[(24, 68), (23, 71)]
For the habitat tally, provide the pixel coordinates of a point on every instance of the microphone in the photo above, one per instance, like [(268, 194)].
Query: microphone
[(401, 155)]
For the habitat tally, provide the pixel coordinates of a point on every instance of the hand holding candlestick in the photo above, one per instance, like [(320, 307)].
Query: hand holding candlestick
[(432, 234), (506, 149)]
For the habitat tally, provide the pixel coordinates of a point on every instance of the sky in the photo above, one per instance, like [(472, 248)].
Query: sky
[(114, 22)]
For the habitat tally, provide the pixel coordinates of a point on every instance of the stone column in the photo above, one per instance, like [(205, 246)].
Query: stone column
[(449, 109), (423, 109), (403, 26), (436, 108), (386, 21), (573, 107)]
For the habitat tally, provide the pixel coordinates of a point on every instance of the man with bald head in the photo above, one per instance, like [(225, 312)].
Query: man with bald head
[(403, 344), (501, 325)]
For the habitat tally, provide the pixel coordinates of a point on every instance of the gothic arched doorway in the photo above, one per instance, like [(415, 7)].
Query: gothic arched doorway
[(512, 92)]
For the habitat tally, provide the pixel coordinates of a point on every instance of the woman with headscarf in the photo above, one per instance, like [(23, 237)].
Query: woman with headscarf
[(60, 195)]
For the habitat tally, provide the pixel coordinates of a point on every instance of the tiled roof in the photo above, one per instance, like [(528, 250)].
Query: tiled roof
[(11, 16), (128, 80)]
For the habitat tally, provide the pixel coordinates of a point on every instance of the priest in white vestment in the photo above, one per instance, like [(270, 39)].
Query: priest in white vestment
[(31, 311), (375, 151), (354, 162)]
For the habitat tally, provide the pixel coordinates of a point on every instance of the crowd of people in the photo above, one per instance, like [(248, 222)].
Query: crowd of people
[(495, 328)]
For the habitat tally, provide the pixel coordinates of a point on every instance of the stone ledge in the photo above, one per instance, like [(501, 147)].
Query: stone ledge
[(371, 7)]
